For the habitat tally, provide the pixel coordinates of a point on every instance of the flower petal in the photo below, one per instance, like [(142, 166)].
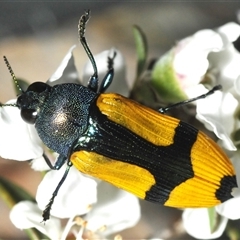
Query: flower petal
[(185, 65), (230, 32), (237, 85), (217, 114), (26, 214), (229, 209), (119, 83), (225, 63), (196, 222), (66, 72), (116, 209), (39, 164), (190, 61), (19, 140), (75, 196)]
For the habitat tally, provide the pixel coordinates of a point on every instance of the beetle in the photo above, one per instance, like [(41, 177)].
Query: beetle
[(143, 151)]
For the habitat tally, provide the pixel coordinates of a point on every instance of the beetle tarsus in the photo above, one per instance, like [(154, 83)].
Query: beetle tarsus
[(111, 58), (46, 212)]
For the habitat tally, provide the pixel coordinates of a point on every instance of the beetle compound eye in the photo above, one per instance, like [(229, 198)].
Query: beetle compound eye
[(38, 87), (20, 101), (29, 115)]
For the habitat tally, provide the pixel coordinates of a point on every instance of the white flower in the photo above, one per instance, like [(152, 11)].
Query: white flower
[(39, 164), (26, 214), (217, 114), (185, 65), (116, 209), (76, 195), (208, 50), (19, 140), (225, 63), (119, 83), (66, 72), (190, 56), (197, 224)]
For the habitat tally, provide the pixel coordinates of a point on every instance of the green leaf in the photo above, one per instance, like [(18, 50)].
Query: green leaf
[(236, 135), (141, 49), (34, 234), (213, 219), (233, 231), (11, 194), (165, 81)]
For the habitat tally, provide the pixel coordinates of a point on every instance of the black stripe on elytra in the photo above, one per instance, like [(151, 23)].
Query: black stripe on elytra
[(170, 165), (227, 183)]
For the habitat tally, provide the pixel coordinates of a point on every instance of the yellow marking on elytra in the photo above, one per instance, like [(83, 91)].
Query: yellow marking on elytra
[(156, 128), (126, 176)]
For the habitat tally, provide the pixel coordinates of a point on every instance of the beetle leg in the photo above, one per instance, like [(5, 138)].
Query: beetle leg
[(60, 161), (46, 212), (111, 58), (107, 80), (58, 164), (165, 109)]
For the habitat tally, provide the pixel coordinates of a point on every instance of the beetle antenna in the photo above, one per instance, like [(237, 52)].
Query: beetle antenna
[(93, 82), (13, 75), (210, 92), (8, 105)]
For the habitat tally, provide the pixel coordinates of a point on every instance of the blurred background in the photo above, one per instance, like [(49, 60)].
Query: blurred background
[(35, 36)]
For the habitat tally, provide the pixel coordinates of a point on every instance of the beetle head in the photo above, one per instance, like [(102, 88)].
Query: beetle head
[(30, 101)]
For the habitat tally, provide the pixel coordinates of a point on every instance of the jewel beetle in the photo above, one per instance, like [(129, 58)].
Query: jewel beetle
[(145, 152)]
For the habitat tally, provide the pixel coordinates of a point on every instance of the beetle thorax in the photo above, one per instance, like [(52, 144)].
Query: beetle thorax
[(64, 116)]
